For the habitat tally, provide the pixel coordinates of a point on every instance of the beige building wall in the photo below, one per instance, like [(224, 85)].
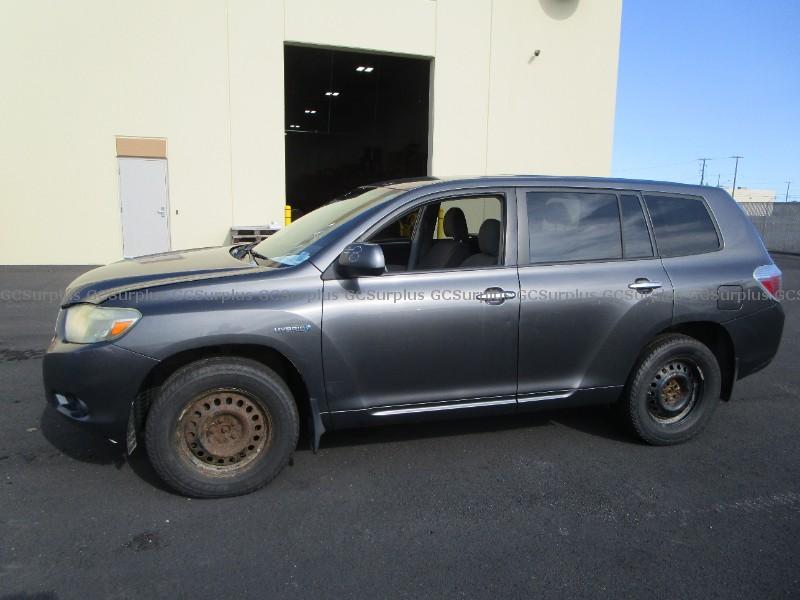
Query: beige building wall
[(255, 33), (461, 87), (752, 195), (553, 113), (75, 75), (207, 76)]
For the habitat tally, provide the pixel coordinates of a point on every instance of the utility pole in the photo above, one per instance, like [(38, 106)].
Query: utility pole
[(703, 169), (735, 172), (717, 179), (788, 183)]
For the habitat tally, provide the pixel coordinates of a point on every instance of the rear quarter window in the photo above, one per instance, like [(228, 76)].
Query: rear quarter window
[(682, 225)]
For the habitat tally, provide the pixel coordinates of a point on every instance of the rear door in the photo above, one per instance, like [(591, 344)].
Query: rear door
[(593, 292)]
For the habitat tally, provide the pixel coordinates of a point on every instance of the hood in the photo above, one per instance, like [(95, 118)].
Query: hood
[(153, 270)]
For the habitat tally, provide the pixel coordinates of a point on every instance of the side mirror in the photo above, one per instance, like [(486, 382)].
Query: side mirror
[(360, 260)]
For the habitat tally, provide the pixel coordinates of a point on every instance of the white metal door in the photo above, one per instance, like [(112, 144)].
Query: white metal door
[(145, 206)]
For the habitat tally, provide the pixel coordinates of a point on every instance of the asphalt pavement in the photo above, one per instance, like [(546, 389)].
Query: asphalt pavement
[(555, 504)]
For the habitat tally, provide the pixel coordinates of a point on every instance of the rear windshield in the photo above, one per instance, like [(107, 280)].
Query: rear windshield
[(682, 225), (298, 241)]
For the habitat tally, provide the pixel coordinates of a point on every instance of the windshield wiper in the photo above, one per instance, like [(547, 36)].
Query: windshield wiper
[(253, 253), (242, 251)]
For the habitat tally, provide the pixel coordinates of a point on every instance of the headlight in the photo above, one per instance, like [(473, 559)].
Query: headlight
[(87, 323)]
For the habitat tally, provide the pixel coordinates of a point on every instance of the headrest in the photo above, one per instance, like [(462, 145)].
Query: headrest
[(489, 237), (455, 224)]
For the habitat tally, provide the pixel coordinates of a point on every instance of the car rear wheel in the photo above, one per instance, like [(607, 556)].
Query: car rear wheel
[(221, 427), (673, 390)]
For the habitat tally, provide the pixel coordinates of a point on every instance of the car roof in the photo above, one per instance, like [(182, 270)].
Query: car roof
[(447, 183)]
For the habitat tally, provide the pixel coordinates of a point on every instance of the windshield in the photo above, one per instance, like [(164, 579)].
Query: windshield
[(296, 242)]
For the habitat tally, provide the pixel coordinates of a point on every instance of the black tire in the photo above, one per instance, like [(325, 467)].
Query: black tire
[(221, 427), (673, 390)]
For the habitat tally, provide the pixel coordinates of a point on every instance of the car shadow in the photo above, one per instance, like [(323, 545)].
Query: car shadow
[(73, 441), (596, 421), (76, 443), (599, 421)]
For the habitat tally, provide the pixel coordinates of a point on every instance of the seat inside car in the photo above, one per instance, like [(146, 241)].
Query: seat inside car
[(448, 253), (489, 244)]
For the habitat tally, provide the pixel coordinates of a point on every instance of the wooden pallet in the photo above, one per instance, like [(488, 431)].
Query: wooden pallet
[(246, 235)]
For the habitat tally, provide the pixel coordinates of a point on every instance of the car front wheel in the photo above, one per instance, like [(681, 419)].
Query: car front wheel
[(221, 427), (673, 390)]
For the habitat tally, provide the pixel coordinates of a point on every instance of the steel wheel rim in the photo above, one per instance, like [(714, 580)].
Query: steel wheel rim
[(674, 391), (223, 431)]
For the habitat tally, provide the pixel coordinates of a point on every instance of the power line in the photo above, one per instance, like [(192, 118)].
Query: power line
[(675, 164), (704, 168), (684, 162)]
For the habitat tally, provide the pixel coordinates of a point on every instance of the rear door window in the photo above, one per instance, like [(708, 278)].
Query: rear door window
[(573, 226), (682, 225)]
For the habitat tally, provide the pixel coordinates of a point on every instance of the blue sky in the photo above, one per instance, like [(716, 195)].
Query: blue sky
[(710, 78)]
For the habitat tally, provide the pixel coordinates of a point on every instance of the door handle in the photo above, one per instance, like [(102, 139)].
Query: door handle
[(644, 286), (495, 295), (162, 211)]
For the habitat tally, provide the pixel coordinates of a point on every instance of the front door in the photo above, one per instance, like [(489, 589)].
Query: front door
[(144, 205), (435, 339)]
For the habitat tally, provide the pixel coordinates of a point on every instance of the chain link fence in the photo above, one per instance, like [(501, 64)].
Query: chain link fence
[(778, 223)]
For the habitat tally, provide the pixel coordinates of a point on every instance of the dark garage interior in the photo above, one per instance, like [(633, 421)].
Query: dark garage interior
[(352, 118)]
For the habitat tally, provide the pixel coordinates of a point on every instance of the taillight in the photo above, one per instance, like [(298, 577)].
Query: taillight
[(769, 277)]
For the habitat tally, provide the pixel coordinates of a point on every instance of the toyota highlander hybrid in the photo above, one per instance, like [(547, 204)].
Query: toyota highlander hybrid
[(420, 299)]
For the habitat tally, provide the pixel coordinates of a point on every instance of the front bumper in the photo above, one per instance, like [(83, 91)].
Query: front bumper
[(94, 385)]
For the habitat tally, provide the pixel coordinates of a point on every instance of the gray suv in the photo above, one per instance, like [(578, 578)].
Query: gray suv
[(420, 299)]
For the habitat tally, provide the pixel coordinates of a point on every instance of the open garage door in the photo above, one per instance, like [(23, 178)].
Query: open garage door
[(352, 118)]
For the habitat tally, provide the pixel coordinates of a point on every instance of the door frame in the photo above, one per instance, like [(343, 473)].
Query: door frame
[(523, 241), (166, 202), (580, 396), (510, 214), (460, 407)]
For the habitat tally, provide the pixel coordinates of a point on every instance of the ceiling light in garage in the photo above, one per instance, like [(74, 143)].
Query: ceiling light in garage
[(362, 69), (331, 93), (310, 111)]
